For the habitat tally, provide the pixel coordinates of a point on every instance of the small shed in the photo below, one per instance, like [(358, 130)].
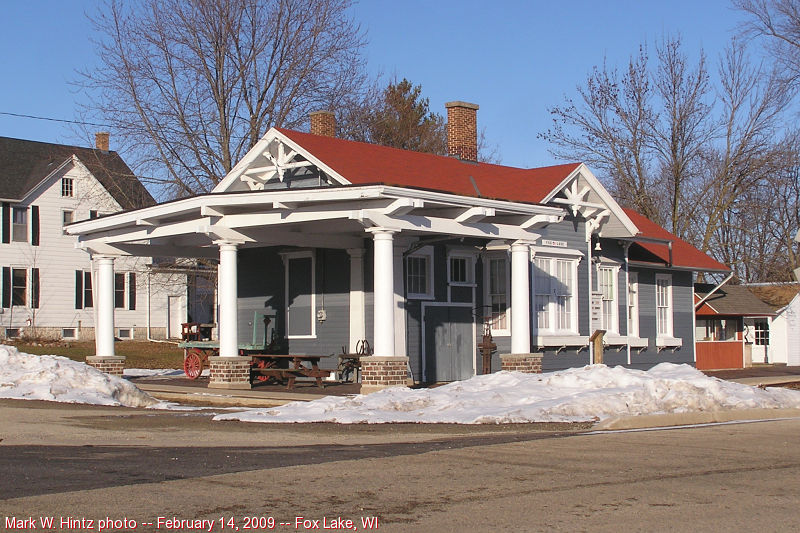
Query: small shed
[(784, 299), (732, 327)]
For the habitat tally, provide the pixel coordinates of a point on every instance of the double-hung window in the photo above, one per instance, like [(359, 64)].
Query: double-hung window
[(419, 274), (125, 290), (554, 287), (83, 289), (497, 293), (19, 286), (67, 187), (633, 304), (19, 224), (607, 287), (664, 305)]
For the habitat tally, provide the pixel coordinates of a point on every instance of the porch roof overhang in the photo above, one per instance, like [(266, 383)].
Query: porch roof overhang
[(330, 217)]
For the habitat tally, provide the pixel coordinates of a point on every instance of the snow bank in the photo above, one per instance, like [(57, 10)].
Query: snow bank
[(51, 377), (581, 394)]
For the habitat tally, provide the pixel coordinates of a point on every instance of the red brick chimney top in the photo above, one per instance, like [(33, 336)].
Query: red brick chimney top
[(101, 140), (323, 123), (462, 130)]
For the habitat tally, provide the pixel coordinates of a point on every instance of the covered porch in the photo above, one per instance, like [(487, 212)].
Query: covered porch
[(386, 221)]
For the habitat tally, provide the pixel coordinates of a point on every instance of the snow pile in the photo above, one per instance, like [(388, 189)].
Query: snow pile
[(579, 394), (58, 379)]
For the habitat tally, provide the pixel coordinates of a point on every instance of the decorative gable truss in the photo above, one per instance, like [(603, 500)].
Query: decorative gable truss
[(276, 158), (583, 194)]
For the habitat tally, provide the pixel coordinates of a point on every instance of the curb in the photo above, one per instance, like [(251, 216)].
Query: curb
[(691, 419)]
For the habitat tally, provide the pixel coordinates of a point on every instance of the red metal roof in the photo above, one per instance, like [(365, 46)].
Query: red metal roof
[(683, 254), (362, 163)]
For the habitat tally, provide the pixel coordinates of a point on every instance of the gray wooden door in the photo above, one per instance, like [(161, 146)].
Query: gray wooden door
[(449, 343)]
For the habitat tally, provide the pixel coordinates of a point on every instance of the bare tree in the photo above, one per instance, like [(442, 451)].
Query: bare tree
[(751, 149), (683, 129), (189, 86), (611, 129), (779, 22)]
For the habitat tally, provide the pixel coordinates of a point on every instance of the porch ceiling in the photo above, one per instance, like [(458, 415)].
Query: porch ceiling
[(331, 217)]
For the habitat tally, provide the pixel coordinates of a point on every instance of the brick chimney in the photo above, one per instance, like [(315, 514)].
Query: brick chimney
[(101, 140), (462, 130), (323, 123)]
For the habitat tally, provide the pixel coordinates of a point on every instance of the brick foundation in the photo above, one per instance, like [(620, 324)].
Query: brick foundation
[(229, 372), (110, 365), (529, 363), (379, 373)]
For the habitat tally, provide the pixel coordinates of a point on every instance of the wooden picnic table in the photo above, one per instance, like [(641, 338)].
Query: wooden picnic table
[(288, 367)]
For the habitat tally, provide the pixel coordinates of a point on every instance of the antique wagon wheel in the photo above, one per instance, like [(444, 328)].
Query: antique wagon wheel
[(363, 348), (193, 363)]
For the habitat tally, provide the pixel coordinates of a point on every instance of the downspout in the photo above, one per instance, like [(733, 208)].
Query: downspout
[(626, 246), (715, 289), (589, 265)]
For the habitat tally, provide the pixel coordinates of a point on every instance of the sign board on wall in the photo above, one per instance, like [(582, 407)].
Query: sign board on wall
[(558, 244), (597, 309)]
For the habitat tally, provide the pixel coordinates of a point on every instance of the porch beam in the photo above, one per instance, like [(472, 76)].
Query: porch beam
[(443, 226), (402, 206), (474, 214)]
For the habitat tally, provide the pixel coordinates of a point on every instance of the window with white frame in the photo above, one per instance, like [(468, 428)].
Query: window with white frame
[(67, 187), (83, 289), (125, 290), (19, 224), (664, 305), (497, 292), (633, 304), (419, 274), (554, 288), (762, 331), (300, 297), (67, 217), (607, 286), (460, 270), (19, 286)]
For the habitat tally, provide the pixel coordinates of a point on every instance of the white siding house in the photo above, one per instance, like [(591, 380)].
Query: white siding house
[(46, 288)]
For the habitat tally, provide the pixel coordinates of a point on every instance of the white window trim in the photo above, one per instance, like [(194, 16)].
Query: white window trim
[(63, 211), (299, 255), (426, 252), (498, 332), (613, 329), (560, 334), (667, 340), (470, 259), (633, 310)]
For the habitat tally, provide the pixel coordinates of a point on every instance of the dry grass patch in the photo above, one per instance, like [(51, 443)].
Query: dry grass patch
[(137, 354)]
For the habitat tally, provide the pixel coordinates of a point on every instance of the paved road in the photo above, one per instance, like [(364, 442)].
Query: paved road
[(79, 462)]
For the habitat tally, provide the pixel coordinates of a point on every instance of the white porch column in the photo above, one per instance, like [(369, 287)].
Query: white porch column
[(228, 300), (228, 370), (520, 299), (104, 359), (358, 328), (383, 307), (104, 302), (385, 368)]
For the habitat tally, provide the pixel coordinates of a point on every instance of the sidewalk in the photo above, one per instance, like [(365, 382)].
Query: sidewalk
[(196, 392)]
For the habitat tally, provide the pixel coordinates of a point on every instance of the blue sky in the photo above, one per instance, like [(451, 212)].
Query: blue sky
[(513, 58)]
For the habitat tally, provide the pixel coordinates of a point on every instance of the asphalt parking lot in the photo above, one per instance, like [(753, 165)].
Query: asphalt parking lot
[(95, 463)]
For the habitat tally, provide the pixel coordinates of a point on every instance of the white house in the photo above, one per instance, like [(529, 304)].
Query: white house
[(343, 241), (784, 333), (48, 284)]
